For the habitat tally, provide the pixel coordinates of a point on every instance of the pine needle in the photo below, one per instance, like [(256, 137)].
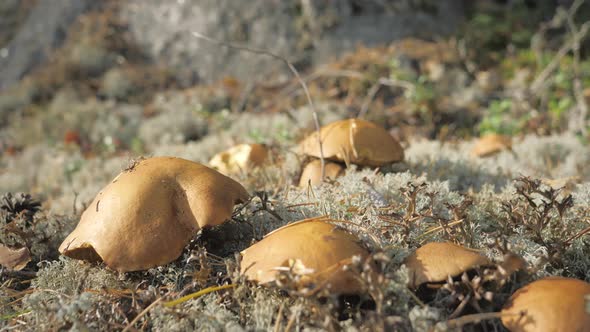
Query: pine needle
[(197, 294)]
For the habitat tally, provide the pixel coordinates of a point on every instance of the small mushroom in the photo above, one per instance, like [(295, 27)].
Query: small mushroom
[(239, 158), (491, 144), (312, 173), (315, 247), (355, 141), (548, 304), (436, 261), (149, 212)]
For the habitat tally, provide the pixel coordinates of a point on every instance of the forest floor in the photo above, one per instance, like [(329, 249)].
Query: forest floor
[(531, 200)]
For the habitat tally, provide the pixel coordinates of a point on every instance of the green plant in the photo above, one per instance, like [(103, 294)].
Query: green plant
[(497, 118), (493, 29)]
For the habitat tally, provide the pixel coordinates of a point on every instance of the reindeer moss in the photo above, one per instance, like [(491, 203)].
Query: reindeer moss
[(393, 211)]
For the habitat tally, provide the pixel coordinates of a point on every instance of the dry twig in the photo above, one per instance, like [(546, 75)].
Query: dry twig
[(375, 88), (141, 314), (578, 35), (292, 68), (578, 122)]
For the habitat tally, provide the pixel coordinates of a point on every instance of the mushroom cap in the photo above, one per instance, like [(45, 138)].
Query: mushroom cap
[(239, 158), (549, 304), (313, 172), (354, 140), (149, 212), (315, 243), (436, 261), (490, 144)]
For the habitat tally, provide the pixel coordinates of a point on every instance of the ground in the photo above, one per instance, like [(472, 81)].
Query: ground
[(71, 135)]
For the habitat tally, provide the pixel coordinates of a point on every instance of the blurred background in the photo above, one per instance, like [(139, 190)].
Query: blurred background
[(82, 78)]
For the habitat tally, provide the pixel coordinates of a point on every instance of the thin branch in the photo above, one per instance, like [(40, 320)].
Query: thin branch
[(369, 99), (243, 99), (141, 314), (541, 79), (375, 88), (574, 8), (577, 121), (279, 318), (578, 235), (319, 73), (316, 119), (290, 89)]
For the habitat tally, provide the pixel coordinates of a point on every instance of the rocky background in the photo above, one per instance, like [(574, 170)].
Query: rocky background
[(88, 86)]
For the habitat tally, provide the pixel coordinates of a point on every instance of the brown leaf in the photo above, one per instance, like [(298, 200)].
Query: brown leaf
[(14, 259)]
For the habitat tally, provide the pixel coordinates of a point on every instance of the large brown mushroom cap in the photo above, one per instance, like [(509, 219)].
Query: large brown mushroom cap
[(150, 211), (239, 158), (356, 141), (436, 261), (317, 244), (549, 304), (312, 172)]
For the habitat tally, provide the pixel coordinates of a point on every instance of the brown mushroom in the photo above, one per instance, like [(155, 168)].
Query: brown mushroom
[(316, 246), (312, 173), (549, 304), (356, 141), (239, 158), (436, 261), (150, 211), (491, 144)]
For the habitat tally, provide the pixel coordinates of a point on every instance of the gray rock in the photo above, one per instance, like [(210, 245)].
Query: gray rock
[(373, 23), (43, 30), (304, 31), (163, 29), (10, 15)]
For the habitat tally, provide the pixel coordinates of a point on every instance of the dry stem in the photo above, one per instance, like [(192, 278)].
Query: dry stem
[(292, 68), (577, 35), (141, 314), (375, 88)]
